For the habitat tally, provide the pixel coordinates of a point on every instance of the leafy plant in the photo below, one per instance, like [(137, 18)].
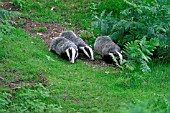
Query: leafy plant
[(157, 105), (29, 100), (103, 24), (138, 20), (140, 51)]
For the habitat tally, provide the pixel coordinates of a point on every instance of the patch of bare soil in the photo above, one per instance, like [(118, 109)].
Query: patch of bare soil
[(53, 30), (19, 82), (8, 6)]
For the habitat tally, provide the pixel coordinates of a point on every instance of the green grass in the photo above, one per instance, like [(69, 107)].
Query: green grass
[(71, 13), (40, 29), (76, 87), (51, 84)]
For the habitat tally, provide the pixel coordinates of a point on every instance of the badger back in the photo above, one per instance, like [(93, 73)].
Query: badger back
[(60, 44), (100, 44), (82, 46), (107, 48), (70, 35)]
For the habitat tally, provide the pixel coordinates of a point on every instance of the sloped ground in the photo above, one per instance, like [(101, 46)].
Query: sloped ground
[(52, 30)]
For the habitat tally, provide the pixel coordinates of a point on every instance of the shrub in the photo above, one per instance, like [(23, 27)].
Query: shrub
[(140, 19), (139, 51)]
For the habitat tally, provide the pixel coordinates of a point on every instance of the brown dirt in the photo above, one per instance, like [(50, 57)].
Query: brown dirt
[(8, 6), (53, 30), (18, 83)]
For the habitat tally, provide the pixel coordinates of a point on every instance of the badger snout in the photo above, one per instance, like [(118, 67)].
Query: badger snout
[(72, 61)]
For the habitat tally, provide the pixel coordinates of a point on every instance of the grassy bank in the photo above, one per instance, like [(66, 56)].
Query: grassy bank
[(35, 80)]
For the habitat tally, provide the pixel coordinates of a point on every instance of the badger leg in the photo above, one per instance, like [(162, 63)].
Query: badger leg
[(111, 54), (120, 56)]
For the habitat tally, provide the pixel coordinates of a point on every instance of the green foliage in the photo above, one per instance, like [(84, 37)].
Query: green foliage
[(4, 14), (140, 51), (114, 6), (40, 29), (5, 20), (139, 20), (29, 100), (157, 105), (104, 24), (83, 87), (1, 3), (19, 3)]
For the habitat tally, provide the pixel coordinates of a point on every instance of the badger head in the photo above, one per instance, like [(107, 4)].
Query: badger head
[(114, 54), (87, 50), (72, 54)]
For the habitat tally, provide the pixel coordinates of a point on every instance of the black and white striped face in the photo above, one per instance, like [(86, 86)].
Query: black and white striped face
[(114, 54), (87, 50), (72, 54)]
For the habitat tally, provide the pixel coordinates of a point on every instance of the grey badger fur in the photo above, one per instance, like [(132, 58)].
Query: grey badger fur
[(64, 48), (107, 49), (82, 46)]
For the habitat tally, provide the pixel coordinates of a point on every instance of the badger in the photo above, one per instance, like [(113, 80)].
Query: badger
[(82, 46), (64, 48), (105, 47)]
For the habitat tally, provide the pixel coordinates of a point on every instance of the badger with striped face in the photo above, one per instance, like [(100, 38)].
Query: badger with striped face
[(82, 46), (64, 48), (108, 50)]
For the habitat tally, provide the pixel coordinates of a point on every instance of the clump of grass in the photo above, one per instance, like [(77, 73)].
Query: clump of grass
[(40, 29), (20, 23), (29, 100)]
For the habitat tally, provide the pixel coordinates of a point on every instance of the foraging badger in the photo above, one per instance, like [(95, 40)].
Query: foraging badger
[(107, 49), (64, 48), (82, 46)]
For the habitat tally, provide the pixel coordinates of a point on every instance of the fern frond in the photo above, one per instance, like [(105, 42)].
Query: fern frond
[(139, 51), (144, 66)]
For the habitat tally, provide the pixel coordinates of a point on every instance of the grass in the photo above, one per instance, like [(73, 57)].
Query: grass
[(35, 80), (71, 13), (40, 29)]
